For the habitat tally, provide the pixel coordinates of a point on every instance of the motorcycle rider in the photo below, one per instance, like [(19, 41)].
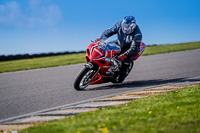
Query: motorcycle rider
[(129, 39)]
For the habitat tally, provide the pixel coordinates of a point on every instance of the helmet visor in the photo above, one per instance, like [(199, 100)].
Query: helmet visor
[(128, 28)]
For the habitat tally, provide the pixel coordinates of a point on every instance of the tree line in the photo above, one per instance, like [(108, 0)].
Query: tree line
[(28, 56)]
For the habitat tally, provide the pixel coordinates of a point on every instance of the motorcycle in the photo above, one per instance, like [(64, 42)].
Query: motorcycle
[(102, 65)]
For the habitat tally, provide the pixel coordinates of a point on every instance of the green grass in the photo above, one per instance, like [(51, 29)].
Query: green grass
[(159, 49), (43, 62), (26, 64), (171, 112)]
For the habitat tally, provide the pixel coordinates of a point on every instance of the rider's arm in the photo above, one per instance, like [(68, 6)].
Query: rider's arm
[(109, 32), (135, 45)]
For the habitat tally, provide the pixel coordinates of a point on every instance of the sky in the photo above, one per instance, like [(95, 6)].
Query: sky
[(43, 26)]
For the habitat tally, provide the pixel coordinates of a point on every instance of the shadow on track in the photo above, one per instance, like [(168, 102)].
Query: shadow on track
[(131, 84)]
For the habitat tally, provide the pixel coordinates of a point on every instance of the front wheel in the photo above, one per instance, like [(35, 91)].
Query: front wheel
[(84, 78)]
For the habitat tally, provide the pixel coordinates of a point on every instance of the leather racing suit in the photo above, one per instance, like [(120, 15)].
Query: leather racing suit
[(129, 43)]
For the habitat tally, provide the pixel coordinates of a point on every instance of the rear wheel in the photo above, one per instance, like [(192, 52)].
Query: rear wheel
[(84, 78)]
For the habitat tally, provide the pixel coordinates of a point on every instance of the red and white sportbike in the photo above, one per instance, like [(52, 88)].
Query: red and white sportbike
[(102, 65)]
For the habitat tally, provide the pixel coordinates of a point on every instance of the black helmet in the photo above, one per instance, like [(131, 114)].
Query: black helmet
[(128, 24)]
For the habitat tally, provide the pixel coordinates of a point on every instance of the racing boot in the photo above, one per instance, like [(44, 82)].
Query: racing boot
[(126, 68)]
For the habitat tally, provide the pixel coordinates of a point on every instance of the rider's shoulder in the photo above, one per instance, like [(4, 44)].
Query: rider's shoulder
[(118, 24), (137, 29)]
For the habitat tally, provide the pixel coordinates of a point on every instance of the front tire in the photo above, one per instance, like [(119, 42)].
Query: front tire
[(84, 78)]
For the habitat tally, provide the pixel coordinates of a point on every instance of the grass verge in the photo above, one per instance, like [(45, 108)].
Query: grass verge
[(159, 49), (175, 111), (43, 62)]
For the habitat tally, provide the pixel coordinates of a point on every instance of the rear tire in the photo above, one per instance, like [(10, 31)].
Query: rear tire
[(83, 79)]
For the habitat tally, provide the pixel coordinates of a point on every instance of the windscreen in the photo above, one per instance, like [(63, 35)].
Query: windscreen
[(109, 46)]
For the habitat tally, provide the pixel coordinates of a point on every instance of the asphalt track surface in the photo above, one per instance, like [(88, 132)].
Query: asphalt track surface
[(34, 90)]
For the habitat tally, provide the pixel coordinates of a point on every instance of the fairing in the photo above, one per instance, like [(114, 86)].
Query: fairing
[(101, 55)]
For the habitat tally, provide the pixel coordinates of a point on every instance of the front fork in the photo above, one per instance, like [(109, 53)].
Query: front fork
[(93, 67)]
